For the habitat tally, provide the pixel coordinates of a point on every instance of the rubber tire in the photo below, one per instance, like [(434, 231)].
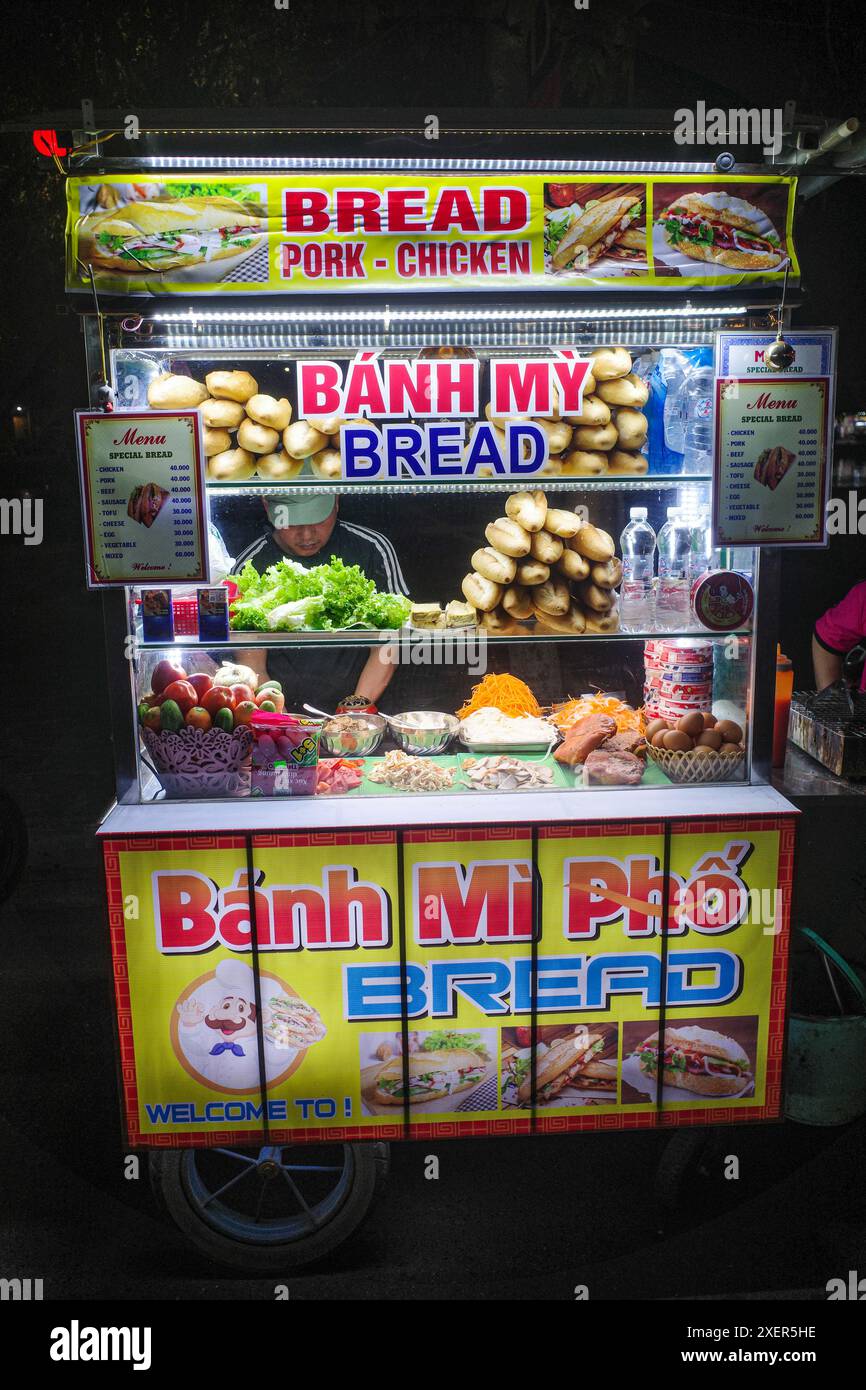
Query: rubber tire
[(13, 844), (371, 1163)]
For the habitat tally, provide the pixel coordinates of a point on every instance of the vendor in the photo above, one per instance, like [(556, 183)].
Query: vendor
[(309, 530), (839, 630)]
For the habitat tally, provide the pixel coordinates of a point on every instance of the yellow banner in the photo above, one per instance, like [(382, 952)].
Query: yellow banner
[(359, 232), (330, 1029)]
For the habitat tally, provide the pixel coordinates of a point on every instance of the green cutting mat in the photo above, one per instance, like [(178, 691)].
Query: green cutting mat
[(563, 778)]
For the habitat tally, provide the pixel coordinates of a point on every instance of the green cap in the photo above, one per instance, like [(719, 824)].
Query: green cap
[(286, 510)]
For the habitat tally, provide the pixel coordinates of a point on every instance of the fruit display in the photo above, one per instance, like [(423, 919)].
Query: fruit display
[(544, 565), (223, 701)]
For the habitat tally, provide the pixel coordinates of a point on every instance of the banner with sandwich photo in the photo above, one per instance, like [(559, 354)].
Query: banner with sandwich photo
[(216, 232), (441, 1065), (709, 1057), (576, 1064)]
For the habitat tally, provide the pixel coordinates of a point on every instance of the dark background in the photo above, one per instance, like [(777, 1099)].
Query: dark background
[(55, 746)]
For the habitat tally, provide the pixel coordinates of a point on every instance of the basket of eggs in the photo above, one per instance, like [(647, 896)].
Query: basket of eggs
[(697, 748)]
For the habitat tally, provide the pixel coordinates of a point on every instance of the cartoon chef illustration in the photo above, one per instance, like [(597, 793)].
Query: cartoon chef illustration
[(217, 1027)]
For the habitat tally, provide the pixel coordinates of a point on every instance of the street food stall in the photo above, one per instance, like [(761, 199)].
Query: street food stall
[(441, 635)]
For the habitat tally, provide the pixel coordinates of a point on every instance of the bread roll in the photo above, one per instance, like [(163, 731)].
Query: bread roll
[(591, 596), (631, 428), (551, 468), (532, 572), (327, 463), (572, 565), (589, 463), (301, 440), (492, 564), (603, 622), (628, 390), (517, 601), (545, 547), (606, 574), (257, 438), (627, 461), (169, 392), (556, 412), (222, 415), (232, 386), (482, 593), (216, 442), (558, 434), (528, 509), (508, 537), (553, 596), (595, 412), (231, 466), (595, 437), (562, 523), (497, 620), (267, 410), (593, 543), (570, 623), (279, 466), (330, 424), (609, 362)]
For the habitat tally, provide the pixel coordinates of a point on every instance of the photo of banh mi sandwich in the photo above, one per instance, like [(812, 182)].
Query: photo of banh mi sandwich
[(699, 1060), (290, 1022), (586, 223), (157, 235), (433, 1073), (576, 1061), (721, 229), (772, 466), (146, 502)]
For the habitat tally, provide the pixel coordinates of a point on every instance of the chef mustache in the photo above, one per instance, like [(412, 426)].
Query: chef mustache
[(230, 1025)]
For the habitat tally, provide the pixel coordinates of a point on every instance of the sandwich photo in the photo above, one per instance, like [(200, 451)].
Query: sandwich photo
[(444, 1064), (146, 502), (721, 229), (772, 466), (171, 234), (588, 223), (290, 1022), (696, 1059), (574, 1060)]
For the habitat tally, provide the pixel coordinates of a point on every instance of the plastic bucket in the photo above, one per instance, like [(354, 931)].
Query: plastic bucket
[(826, 1068)]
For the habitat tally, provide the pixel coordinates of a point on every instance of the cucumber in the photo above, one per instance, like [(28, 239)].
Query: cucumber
[(171, 717), (224, 719)]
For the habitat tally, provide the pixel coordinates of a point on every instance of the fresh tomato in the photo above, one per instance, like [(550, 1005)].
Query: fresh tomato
[(153, 700), (164, 673), (276, 697), (198, 718), (218, 697), (182, 693), (201, 684), (242, 693), (244, 711), (524, 1036), (151, 719), (561, 194)]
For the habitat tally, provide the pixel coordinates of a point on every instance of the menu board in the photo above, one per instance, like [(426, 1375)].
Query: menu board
[(773, 440), (143, 497)]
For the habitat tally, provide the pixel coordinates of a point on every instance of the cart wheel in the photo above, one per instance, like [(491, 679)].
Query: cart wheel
[(685, 1156), (13, 844), (269, 1211)]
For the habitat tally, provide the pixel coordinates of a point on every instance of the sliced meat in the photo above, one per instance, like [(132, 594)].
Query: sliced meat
[(779, 463), (761, 467), (584, 736), (604, 769), (629, 741)]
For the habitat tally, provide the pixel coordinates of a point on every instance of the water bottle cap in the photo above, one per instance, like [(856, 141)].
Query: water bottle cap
[(639, 512), (672, 512)]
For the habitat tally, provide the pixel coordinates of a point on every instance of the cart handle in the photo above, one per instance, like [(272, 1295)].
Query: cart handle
[(831, 954)]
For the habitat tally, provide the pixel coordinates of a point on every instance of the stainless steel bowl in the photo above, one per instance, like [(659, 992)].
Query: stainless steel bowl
[(358, 742), (410, 732)]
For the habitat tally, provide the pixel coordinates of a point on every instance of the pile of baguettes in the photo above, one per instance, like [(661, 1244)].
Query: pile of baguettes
[(546, 564), (231, 404), (609, 434)]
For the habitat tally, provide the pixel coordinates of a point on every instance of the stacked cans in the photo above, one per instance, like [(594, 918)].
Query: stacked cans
[(678, 678)]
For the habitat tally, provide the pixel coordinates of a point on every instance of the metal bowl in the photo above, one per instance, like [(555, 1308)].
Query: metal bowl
[(358, 742), (412, 737)]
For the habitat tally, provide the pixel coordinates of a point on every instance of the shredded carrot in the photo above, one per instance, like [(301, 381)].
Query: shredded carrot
[(505, 693), (566, 715)]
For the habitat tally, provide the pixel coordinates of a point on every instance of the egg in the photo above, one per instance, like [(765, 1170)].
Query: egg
[(654, 726), (676, 741), (658, 738), (691, 724), (730, 748), (730, 732), (711, 738), (702, 748), (709, 720)]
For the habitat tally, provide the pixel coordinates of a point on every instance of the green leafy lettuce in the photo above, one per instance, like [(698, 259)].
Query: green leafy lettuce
[(326, 598)]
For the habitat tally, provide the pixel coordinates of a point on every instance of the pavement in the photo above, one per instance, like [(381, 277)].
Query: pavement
[(506, 1219)]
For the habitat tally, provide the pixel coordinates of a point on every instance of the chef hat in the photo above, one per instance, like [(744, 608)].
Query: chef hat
[(236, 977)]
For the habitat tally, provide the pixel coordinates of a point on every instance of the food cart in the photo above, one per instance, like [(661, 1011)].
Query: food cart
[(538, 880)]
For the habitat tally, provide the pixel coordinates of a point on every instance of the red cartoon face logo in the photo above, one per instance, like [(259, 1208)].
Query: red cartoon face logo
[(45, 141)]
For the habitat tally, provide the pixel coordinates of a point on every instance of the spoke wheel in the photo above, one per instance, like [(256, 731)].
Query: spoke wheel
[(274, 1208)]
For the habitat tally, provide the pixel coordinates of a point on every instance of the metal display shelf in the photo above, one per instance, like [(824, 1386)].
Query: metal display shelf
[(604, 482), (374, 636)]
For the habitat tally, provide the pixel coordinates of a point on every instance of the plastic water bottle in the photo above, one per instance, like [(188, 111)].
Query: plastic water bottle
[(674, 371), (637, 595), (700, 544), (698, 436), (673, 606)]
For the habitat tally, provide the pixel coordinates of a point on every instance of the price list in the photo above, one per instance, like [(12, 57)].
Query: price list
[(143, 495), (771, 460)]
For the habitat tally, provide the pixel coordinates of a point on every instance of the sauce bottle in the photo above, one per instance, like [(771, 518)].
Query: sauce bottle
[(784, 690)]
